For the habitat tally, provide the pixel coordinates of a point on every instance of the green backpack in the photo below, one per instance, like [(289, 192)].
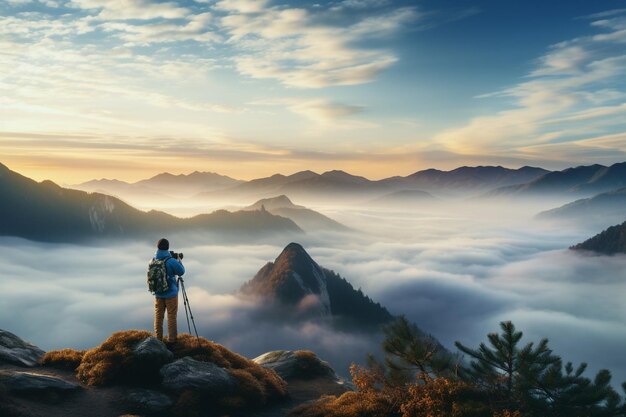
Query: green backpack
[(157, 276)]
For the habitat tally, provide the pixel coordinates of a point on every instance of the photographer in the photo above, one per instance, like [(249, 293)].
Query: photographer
[(168, 300)]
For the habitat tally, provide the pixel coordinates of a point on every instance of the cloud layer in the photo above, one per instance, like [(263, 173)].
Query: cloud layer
[(455, 273)]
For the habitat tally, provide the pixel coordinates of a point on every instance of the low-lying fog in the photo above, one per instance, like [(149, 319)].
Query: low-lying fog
[(456, 272)]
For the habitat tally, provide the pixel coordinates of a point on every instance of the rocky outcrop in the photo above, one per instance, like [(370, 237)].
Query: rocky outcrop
[(19, 381), (188, 373), (300, 364), (153, 353), (197, 377), (16, 351)]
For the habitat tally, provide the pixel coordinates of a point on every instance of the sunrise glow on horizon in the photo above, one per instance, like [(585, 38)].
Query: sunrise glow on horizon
[(127, 89)]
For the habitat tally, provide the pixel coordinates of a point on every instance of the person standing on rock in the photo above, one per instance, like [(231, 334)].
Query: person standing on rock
[(167, 300)]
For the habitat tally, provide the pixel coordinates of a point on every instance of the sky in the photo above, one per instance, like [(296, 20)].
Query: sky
[(129, 88)]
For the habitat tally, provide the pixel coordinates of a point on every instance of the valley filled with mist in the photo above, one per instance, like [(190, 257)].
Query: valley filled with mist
[(456, 264)]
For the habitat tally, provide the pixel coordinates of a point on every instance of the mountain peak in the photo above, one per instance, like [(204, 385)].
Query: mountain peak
[(294, 259), (297, 282), (294, 279), (303, 175), (293, 251), (272, 203), (343, 176)]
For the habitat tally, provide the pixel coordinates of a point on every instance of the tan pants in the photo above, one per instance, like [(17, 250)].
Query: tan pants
[(171, 305)]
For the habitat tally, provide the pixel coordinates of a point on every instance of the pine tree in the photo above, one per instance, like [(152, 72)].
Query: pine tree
[(409, 352), (534, 380)]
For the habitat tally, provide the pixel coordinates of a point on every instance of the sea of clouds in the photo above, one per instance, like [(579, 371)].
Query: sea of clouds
[(455, 271)]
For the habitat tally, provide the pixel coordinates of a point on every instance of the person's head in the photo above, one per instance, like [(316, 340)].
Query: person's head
[(163, 244)]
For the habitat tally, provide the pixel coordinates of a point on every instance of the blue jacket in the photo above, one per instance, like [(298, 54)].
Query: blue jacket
[(173, 267)]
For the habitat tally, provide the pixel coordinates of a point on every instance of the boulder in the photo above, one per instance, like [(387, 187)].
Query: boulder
[(152, 353), (148, 401), (20, 381), (298, 364), (16, 351), (188, 373)]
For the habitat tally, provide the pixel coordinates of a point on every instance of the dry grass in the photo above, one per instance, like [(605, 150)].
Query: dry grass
[(113, 360), (63, 359), (350, 404), (376, 397), (309, 365), (305, 354), (256, 386)]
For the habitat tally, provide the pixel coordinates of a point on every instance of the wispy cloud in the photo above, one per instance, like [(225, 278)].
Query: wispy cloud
[(131, 9), (298, 48), (574, 81)]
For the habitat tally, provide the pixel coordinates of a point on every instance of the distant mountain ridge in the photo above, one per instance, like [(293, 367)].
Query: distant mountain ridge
[(47, 212), (605, 208), (340, 183), (583, 180), (335, 184), (304, 217), (480, 177), (296, 281), (161, 185), (608, 242)]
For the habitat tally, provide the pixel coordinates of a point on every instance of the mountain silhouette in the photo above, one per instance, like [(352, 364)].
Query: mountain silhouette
[(305, 218), (269, 184), (473, 178), (334, 184), (584, 180), (161, 185), (604, 209), (294, 280), (608, 242), (341, 185), (47, 212), (192, 183)]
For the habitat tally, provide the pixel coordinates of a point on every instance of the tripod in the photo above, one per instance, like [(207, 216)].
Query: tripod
[(188, 312)]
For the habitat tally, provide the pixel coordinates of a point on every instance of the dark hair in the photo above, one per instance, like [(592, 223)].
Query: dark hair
[(163, 244)]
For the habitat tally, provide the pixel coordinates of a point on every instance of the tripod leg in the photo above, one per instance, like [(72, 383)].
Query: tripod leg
[(187, 305), (182, 286)]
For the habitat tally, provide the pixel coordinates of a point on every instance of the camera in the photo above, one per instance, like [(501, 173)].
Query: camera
[(175, 255)]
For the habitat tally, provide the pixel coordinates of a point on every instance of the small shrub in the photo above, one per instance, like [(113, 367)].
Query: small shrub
[(112, 361), (305, 354), (63, 359), (445, 398), (250, 390), (349, 404), (376, 396)]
